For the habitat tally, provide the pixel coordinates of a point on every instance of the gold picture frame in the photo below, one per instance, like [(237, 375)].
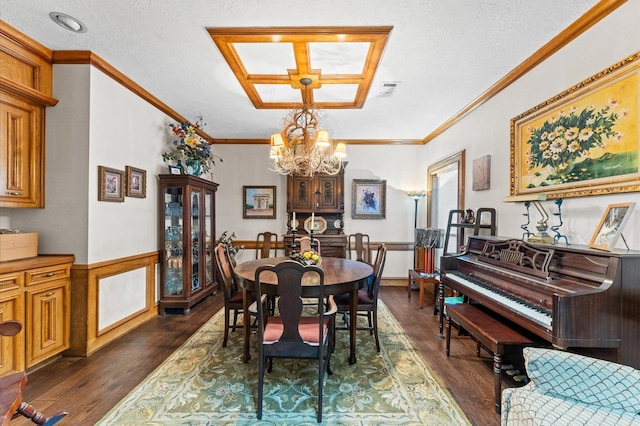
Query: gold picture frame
[(611, 225), (136, 182), (110, 184), (584, 141)]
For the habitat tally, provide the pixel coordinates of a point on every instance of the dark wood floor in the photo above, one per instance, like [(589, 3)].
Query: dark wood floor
[(89, 387)]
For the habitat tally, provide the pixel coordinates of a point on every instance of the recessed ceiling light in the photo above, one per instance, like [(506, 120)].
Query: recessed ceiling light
[(68, 22)]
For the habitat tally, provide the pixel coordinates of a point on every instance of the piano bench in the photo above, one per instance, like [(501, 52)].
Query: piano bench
[(421, 279), (488, 331)]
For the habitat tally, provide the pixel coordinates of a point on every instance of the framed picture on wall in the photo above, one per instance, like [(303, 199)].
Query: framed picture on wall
[(259, 202), (136, 182), (611, 225), (583, 141), (110, 184), (482, 173), (368, 199)]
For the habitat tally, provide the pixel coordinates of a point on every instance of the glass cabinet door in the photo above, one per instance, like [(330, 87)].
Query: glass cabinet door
[(208, 235), (195, 240), (173, 227)]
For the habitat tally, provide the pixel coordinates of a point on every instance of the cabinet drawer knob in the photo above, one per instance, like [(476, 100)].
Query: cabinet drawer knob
[(1, 308), (51, 293), (3, 283), (14, 193), (48, 274)]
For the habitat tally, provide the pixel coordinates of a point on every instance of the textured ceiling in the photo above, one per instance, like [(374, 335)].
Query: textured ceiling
[(444, 53)]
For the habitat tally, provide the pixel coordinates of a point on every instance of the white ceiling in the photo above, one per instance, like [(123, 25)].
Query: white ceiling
[(445, 53)]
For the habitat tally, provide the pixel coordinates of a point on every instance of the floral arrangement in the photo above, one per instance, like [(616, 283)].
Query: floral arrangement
[(561, 140), (190, 147), (227, 240)]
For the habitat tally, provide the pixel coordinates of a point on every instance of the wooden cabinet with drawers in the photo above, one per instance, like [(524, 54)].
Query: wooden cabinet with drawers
[(35, 291)]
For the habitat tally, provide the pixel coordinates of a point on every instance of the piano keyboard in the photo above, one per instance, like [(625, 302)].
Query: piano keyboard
[(526, 309)]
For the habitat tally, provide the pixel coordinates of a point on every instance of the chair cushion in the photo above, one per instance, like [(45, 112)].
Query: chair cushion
[(363, 298), (307, 327), (236, 297)]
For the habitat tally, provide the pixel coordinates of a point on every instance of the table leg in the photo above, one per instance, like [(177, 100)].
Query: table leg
[(247, 324), (353, 324)]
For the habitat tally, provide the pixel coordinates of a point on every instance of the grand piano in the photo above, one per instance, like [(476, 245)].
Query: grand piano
[(574, 297)]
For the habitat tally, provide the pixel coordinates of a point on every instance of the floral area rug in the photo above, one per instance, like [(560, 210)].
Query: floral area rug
[(203, 383)]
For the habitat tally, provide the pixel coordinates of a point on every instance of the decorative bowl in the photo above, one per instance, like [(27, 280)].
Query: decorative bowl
[(308, 257)]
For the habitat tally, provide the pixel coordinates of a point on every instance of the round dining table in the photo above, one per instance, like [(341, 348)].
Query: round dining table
[(340, 276)]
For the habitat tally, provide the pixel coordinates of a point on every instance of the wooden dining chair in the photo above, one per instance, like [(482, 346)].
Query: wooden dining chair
[(265, 242), (304, 244), (294, 333), (11, 386), (233, 296), (367, 298), (360, 244)]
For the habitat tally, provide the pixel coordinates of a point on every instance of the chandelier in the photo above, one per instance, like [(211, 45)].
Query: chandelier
[(302, 148)]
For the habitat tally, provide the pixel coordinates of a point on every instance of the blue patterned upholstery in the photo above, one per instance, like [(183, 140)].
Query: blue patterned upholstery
[(570, 389)]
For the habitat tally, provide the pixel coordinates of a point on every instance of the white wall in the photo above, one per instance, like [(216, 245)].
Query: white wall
[(97, 122), (400, 166), (486, 130)]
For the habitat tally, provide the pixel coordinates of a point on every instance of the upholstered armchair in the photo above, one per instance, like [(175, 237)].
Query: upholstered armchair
[(570, 389)]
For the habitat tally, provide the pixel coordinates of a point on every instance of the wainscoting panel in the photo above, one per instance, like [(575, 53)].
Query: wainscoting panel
[(87, 284)]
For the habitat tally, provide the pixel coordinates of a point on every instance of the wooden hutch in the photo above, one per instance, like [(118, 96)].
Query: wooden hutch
[(321, 195)]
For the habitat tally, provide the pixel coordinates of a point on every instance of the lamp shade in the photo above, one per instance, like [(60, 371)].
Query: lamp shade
[(322, 138), (341, 150), (276, 140)]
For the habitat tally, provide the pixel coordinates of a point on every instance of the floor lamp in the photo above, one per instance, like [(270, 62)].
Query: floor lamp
[(416, 196)]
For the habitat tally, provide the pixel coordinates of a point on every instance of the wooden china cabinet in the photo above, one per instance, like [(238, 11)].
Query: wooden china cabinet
[(323, 196), (187, 229)]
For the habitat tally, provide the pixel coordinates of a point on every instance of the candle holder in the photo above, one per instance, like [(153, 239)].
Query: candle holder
[(314, 243), (294, 231)]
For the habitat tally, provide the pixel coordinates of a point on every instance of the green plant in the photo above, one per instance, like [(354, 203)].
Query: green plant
[(227, 240)]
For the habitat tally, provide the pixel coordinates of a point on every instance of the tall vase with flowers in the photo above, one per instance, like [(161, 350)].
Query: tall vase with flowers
[(189, 149)]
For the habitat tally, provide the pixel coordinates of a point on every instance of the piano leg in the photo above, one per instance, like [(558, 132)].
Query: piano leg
[(440, 309), (497, 373)]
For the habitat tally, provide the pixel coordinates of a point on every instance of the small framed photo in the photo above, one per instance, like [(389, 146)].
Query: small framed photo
[(368, 199), (611, 225), (259, 202), (136, 182), (110, 184), (175, 170)]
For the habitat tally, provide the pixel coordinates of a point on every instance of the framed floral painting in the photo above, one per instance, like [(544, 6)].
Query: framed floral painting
[(368, 199), (611, 225), (110, 184), (583, 141)]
